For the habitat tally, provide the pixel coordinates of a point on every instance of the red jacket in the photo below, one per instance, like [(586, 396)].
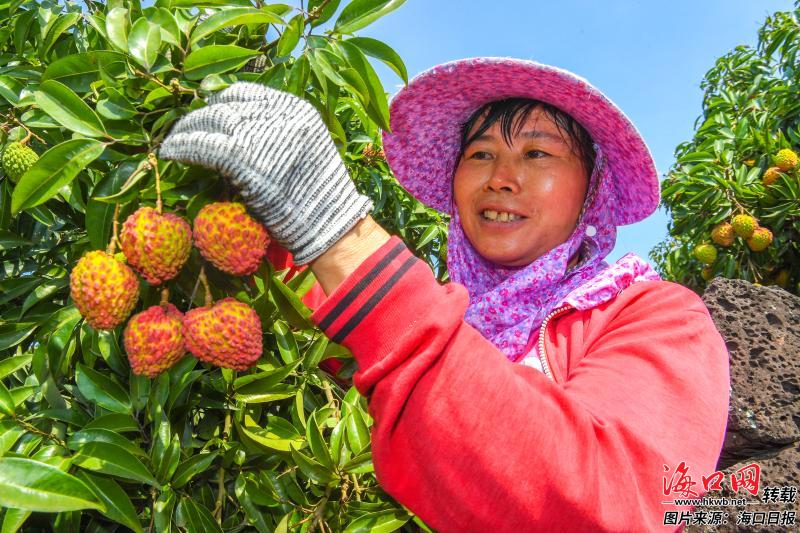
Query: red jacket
[(471, 441)]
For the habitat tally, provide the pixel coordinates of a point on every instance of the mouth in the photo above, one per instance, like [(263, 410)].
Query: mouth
[(500, 219)]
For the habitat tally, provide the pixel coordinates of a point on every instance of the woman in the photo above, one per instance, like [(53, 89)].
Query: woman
[(622, 376)]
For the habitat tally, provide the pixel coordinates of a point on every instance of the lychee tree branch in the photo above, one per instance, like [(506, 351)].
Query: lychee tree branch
[(208, 300), (151, 158), (112, 244)]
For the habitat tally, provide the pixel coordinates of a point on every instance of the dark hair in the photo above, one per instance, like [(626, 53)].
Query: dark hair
[(512, 112)]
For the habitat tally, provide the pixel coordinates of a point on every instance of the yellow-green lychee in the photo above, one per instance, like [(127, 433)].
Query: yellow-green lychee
[(705, 253), (707, 273), (760, 240), (226, 334), (749, 162), (104, 289), (229, 238), (786, 160), (723, 234), (770, 176), (783, 277), (744, 225), (155, 244), (17, 159), (153, 340)]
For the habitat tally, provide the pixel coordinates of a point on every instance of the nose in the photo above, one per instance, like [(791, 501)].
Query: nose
[(504, 176)]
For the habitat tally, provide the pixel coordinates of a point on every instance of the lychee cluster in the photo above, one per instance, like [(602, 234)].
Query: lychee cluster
[(17, 159), (785, 161), (724, 234), (157, 245)]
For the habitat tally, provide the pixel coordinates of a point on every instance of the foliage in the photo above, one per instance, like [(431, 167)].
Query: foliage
[(84, 443), (750, 112)]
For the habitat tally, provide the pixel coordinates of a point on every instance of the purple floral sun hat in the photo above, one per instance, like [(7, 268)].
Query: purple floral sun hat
[(426, 118)]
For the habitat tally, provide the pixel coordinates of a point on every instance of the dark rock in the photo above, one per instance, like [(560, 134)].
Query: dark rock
[(761, 327)]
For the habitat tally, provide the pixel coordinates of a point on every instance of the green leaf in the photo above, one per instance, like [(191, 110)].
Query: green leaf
[(216, 59), (117, 28), (194, 465), (279, 434), (45, 290), (10, 89), (357, 431), (78, 439), (115, 422), (379, 522), (37, 486), (119, 507), (291, 36), (55, 168), (287, 344), (99, 389), (233, 17), (317, 443), (100, 215), (79, 71), (378, 107), (12, 364), (10, 240), (144, 41), (14, 333), (195, 517), (290, 305), (360, 13), (312, 469), (66, 107), (61, 24), (361, 464), (6, 401), (382, 51), (114, 461), (165, 20), (314, 354)]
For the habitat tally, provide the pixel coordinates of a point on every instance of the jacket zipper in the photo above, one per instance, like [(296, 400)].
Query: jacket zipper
[(542, 330)]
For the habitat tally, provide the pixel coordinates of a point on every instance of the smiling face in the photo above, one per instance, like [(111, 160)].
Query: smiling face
[(538, 177)]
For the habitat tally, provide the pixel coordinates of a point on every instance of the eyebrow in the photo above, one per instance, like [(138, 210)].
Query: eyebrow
[(535, 134)]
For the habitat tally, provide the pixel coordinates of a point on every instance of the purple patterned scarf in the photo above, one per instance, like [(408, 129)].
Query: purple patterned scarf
[(506, 304)]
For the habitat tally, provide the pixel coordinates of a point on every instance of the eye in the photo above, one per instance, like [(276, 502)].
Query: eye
[(480, 155), (535, 154)]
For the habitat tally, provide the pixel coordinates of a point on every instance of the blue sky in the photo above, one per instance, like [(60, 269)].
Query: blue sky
[(648, 57)]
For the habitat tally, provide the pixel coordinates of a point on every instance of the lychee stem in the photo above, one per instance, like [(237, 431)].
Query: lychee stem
[(151, 157), (164, 296), (204, 280), (30, 133), (112, 244)]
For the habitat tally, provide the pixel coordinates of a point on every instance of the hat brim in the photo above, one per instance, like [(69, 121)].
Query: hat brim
[(426, 118)]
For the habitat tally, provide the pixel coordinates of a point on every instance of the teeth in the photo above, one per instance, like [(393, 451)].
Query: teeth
[(501, 216)]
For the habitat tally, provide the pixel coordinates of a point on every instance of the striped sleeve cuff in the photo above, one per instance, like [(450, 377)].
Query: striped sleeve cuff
[(367, 310)]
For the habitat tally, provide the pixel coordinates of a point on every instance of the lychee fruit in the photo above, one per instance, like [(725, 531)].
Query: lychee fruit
[(153, 340), (760, 240), (156, 245), (770, 176), (744, 225), (707, 273), (226, 334), (749, 162), (723, 234), (372, 154), (786, 160), (229, 238), (104, 289), (705, 253), (17, 159)]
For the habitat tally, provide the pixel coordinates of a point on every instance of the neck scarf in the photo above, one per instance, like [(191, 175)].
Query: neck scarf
[(506, 304)]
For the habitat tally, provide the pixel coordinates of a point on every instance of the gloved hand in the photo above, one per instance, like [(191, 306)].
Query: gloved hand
[(279, 154)]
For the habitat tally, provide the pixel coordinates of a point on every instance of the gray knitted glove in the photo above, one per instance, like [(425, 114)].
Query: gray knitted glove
[(279, 154)]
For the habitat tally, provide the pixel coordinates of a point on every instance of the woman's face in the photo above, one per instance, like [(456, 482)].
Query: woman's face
[(538, 178)]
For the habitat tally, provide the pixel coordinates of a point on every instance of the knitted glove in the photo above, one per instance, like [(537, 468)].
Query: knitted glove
[(279, 154)]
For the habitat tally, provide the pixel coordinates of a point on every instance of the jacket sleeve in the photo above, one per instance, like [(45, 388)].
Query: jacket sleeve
[(470, 441)]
